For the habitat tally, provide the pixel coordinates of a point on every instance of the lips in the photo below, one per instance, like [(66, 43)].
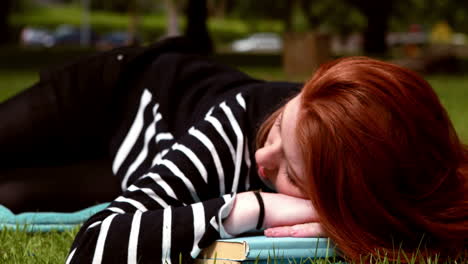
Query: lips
[(265, 179)]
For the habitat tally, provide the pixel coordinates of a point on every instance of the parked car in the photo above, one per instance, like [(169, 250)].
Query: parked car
[(115, 40), (259, 42), (63, 35), (69, 35), (36, 37)]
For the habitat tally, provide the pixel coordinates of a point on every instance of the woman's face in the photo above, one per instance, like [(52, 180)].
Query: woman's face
[(279, 162)]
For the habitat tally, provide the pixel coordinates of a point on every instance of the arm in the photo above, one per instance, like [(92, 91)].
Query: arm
[(284, 215), (176, 207)]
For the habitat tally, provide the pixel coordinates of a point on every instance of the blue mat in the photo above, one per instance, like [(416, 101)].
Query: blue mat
[(45, 222)]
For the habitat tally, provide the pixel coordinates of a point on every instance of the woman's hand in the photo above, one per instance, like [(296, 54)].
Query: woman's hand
[(300, 230), (284, 210), (288, 216)]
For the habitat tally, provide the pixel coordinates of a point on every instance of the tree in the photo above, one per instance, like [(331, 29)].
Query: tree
[(119, 6), (134, 20), (377, 14), (197, 28), (335, 16), (172, 18), (429, 12), (5, 10)]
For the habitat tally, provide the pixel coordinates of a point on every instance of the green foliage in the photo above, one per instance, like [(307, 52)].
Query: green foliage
[(430, 12), (123, 6), (119, 6), (335, 16), (342, 17), (23, 5)]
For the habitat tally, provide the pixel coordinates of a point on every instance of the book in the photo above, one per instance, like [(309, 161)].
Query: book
[(260, 248)]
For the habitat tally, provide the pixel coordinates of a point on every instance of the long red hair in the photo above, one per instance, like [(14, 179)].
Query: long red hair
[(386, 169)]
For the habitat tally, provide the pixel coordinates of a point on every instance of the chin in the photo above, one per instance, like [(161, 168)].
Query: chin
[(268, 183)]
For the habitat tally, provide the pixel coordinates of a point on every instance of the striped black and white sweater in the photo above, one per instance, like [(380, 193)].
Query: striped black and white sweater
[(182, 148)]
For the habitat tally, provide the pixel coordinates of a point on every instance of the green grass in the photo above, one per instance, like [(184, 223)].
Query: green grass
[(21, 247), (11, 82), (452, 90), (453, 93)]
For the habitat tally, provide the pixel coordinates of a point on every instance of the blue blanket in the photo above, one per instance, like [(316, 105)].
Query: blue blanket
[(45, 222)]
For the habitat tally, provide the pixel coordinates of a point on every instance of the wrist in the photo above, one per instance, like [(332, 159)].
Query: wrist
[(244, 214), (261, 213), (284, 210)]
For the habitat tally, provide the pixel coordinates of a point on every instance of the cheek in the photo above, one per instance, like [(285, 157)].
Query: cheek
[(285, 187)]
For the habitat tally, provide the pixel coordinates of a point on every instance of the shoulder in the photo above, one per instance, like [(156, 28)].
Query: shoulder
[(112, 64)]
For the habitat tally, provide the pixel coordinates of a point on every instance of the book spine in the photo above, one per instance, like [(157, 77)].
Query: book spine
[(288, 243), (289, 254)]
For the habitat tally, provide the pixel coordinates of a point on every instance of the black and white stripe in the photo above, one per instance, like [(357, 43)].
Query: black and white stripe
[(173, 206)]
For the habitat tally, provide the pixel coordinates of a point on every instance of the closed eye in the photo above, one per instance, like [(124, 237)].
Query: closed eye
[(290, 179)]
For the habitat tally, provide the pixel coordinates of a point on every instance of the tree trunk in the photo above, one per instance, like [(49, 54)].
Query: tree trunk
[(134, 22), (172, 18), (221, 9), (375, 34), (378, 15), (306, 10), (5, 9), (288, 15), (197, 29)]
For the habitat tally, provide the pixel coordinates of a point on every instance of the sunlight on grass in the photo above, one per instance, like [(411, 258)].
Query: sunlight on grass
[(152, 26), (51, 17), (19, 247), (452, 90), (453, 93), (12, 82)]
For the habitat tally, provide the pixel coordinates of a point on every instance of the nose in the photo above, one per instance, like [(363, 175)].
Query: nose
[(269, 156)]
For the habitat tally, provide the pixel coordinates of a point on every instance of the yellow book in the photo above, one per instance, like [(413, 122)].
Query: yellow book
[(252, 248)]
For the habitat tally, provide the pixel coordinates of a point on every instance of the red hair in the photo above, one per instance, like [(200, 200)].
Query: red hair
[(386, 168)]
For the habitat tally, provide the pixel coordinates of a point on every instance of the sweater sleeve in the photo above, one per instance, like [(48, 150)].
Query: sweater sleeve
[(177, 206)]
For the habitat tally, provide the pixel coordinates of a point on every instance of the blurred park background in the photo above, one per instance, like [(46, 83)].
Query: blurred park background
[(270, 39)]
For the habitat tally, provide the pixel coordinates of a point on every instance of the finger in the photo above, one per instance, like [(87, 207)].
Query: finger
[(281, 231), (307, 230), (301, 230)]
